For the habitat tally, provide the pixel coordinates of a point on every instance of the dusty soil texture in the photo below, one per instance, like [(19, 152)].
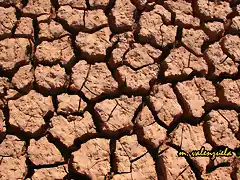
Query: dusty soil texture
[(114, 89)]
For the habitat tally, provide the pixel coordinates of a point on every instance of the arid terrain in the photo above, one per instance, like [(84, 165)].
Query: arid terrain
[(114, 89)]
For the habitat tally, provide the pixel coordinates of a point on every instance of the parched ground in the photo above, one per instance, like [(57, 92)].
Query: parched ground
[(113, 89)]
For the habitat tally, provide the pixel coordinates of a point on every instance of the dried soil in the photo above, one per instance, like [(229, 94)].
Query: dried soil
[(113, 89)]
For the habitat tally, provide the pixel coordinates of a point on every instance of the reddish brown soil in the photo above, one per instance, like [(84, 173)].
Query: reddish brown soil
[(113, 89)]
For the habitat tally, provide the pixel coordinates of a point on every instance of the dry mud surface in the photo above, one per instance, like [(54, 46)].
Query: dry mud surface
[(113, 89)]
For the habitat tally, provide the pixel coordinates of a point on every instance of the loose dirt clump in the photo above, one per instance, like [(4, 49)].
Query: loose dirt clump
[(68, 130), (96, 157), (59, 172), (42, 152), (8, 20), (51, 79), (23, 79), (27, 113), (14, 53)]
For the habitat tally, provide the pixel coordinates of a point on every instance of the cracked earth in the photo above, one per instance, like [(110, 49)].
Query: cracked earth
[(113, 89)]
